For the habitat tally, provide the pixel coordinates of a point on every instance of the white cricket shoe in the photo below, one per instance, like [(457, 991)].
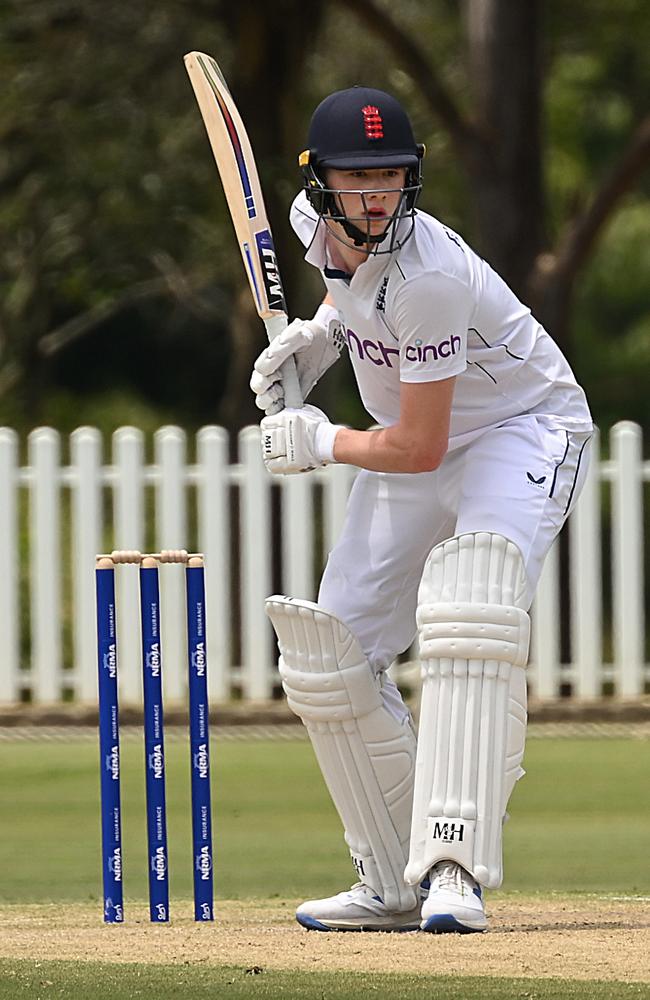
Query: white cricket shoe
[(358, 909), (454, 903)]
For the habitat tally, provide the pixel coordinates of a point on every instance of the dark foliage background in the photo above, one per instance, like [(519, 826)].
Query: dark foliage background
[(122, 296)]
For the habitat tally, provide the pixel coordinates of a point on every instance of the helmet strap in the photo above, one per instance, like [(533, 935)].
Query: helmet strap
[(357, 235)]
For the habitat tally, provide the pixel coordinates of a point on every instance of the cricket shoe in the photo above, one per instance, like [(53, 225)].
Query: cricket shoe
[(358, 909), (454, 903)]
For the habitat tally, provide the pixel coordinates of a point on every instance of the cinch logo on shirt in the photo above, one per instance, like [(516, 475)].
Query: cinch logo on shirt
[(379, 354), (422, 352), (371, 350)]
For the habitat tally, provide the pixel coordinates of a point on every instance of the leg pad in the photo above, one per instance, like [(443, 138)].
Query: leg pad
[(474, 645), (366, 756)]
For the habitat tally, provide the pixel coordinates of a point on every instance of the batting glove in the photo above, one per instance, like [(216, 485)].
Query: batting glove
[(297, 440), (315, 345)]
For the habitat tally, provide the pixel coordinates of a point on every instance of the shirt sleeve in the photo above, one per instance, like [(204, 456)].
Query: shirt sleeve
[(431, 314)]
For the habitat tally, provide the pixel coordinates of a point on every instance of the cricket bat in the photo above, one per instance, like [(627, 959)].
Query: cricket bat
[(236, 164)]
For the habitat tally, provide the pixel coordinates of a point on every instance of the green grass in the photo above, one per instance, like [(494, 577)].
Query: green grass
[(580, 818), (579, 824), (87, 981), (275, 832), (579, 821)]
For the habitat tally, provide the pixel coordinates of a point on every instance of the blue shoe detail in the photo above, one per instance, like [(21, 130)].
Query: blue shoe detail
[(315, 925), (446, 923), (311, 924), (477, 892)]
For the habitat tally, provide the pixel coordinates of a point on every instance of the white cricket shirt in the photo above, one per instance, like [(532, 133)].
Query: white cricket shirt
[(434, 309)]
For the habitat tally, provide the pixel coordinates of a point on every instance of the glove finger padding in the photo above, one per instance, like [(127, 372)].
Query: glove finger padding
[(262, 383), (269, 396), (314, 344), (297, 336)]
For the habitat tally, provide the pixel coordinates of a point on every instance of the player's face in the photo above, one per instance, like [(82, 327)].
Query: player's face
[(369, 198)]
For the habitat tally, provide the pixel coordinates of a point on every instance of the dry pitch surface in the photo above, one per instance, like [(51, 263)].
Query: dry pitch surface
[(598, 937)]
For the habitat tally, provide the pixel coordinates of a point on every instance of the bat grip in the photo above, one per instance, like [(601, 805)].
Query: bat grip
[(292, 394)]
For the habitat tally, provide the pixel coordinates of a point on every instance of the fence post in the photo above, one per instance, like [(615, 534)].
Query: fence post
[(171, 533), (255, 537), (86, 507), (9, 578), (213, 477), (627, 558), (128, 512), (214, 541), (586, 583), (45, 564)]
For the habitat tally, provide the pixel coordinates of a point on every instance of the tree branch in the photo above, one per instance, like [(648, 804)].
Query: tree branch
[(581, 235), (414, 60), (173, 282), (80, 325)]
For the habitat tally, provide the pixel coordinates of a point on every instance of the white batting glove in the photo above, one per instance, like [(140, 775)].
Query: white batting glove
[(297, 440), (315, 345)]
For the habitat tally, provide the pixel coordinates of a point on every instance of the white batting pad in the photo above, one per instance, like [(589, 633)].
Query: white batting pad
[(474, 638), (366, 756)]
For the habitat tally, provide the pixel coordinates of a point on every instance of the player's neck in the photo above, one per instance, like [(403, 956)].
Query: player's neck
[(345, 256)]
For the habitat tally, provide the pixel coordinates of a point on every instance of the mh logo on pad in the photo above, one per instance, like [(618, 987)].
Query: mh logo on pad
[(358, 864), (448, 832)]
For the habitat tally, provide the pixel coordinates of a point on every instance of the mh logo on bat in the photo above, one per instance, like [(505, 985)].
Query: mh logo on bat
[(268, 260)]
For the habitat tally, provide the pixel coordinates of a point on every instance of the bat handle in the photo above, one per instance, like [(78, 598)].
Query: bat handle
[(292, 394)]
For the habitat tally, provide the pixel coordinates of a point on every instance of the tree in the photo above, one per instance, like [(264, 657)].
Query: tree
[(90, 221), (270, 44), (118, 262), (499, 145)]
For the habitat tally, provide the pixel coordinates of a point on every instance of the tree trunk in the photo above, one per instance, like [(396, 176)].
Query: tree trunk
[(265, 81), (504, 62)]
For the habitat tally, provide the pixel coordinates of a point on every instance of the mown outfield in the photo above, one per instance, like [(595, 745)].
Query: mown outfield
[(572, 911)]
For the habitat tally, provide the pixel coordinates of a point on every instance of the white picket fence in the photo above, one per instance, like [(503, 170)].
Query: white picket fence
[(262, 536)]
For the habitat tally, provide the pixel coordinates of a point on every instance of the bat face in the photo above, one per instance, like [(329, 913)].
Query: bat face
[(234, 157)]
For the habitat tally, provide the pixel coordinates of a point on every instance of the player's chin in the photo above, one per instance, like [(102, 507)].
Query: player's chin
[(377, 224)]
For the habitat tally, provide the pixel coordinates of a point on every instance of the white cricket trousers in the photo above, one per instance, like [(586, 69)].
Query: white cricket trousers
[(520, 479)]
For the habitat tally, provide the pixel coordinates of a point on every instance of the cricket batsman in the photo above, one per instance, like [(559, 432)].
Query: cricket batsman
[(479, 457)]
